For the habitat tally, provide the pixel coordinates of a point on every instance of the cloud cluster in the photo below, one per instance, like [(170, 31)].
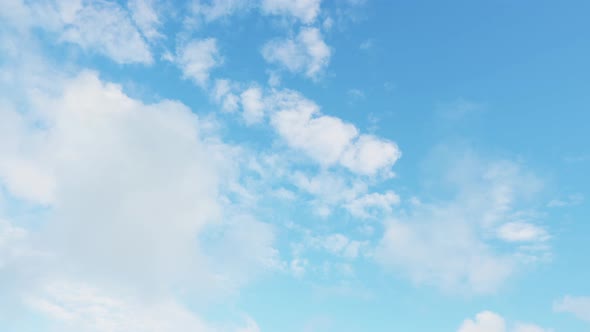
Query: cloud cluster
[(453, 244), (487, 321), (126, 190), (307, 53), (101, 27)]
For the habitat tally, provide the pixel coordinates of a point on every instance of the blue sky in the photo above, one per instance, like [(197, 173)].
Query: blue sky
[(294, 166)]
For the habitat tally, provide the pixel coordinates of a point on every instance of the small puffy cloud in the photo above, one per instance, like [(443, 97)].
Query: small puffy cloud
[(522, 232), (487, 321), (327, 139), (362, 206), (324, 138), (306, 53), (197, 58), (224, 94), (369, 154), (304, 10), (579, 306), (336, 244), (252, 104)]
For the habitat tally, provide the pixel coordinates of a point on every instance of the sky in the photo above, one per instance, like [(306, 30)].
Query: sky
[(294, 166)]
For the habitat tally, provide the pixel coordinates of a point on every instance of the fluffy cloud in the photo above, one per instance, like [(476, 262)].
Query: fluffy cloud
[(223, 94), (146, 17), (447, 244), (323, 138), (522, 232), (197, 58), (304, 10), (127, 190), (485, 321), (306, 53), (579, 306), (488, 321), (327, 139), (100, 26), (361, 206), (253, 105)]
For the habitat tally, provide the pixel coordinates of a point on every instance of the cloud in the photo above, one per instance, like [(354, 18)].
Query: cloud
[(253, 105), (487, 321), (217, 9), (447, 243), (362, 206), (324, 138), (130, 190), (521, 232), (579, 306), (306, 53), (224, 95), (103, 27), (81, 307), (369, 154), (146, 17), (304, 10), (197, 58), (571, 200), (327, 139)]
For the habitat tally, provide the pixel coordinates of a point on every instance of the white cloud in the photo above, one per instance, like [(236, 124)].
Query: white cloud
[(487, 321), (217, 9), (223, 93), (197, 58), (447, 244), (324, 138), (145, 15), (336, 243), (571, 200), (579, 306), (304, 10), (327, 139), (306, 53), (361, 206), (522, 232), (369, 154), (80, 307), (329, 190), (103, 27), (253, 105)]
